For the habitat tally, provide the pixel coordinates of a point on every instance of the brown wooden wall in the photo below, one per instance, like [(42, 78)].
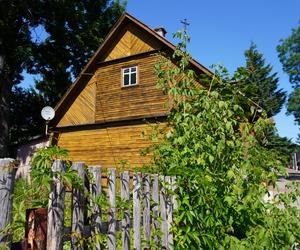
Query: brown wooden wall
[(107, 146), (131, 41), (114, 102), (82, 110)]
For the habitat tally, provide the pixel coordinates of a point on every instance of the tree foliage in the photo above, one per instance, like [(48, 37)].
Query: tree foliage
[(221, 164), (75, 29), (289, 55), (260, 84), (16, 18)]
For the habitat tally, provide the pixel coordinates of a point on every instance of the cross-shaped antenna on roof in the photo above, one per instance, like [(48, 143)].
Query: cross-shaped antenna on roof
[(185, 37), (185, 24)]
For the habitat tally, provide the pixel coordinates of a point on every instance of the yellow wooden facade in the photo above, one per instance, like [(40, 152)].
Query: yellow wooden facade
[(101, 122)]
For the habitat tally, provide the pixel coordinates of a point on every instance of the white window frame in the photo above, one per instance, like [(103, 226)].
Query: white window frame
[(129, 74)]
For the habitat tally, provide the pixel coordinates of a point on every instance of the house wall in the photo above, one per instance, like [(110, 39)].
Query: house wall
[(114, 102), (25, 153), (107, 146)]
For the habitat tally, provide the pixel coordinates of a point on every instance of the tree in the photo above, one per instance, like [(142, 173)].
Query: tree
[(16, 19), (259, 83), (289, 55), (26, 121), (75, 29)]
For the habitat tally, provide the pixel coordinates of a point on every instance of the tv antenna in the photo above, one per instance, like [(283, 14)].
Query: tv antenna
[(48, 114)]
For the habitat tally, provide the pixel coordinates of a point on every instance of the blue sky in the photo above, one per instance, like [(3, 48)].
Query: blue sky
[(222, 30)]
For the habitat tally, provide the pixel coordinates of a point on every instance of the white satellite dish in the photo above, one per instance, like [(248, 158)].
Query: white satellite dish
[(48, 113)]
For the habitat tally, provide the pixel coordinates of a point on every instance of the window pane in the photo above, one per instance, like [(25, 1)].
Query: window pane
[(133, 69), (126, 80), (133, 78), (126, 70)]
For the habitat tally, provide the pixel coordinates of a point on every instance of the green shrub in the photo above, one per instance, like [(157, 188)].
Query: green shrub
[(221, 164)]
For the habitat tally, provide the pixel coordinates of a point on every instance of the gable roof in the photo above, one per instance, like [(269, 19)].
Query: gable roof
[(88, 71)]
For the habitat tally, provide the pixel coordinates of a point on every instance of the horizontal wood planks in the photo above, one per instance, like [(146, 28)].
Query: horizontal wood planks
[(114, 102), (107, 146)]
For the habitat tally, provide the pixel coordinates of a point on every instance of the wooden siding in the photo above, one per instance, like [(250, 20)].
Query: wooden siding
[(114, 102), (107, 146), (82, 111), (131, 41)]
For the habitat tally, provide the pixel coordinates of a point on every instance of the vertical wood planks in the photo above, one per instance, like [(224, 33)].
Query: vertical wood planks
[(55, 220), (163, 213), (95, 190), (154, 209), (153, 195), (125, 196), (112, 209), (146, 210), (137, 211), (169, 208), (7, 177), (78, 208)]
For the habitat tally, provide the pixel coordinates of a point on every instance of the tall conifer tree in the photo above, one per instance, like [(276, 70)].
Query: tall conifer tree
[(260, 84)]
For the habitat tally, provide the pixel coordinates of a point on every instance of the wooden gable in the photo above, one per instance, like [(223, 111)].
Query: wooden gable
[(128, 38), (82, 110), (130, 42)]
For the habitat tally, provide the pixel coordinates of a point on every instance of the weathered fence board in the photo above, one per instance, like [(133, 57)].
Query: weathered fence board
[(7, 176), (154, 209), (163, 213), (146, 211), (169, 207), (112, 209), (137, 211), (125, 196), (78, 208), (55, 220), (96, 189)]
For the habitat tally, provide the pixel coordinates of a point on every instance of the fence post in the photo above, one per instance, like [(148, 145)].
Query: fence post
[(55, 221), (78, 208), (125, 196), (146, 211), (169, 207), (163, 213), (137, 211), (154, 210), (95, 189), (112, 209), (7, 176)]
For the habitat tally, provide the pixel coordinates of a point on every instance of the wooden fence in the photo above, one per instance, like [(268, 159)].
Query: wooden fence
[(127, 211)]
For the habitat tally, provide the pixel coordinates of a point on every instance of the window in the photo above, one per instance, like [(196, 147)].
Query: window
[(129, 76)]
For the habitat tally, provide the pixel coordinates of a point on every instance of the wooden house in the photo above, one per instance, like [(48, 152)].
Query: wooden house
[(101, 117)]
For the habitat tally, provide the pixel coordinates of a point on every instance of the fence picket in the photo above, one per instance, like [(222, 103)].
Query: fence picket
[(154, 209), (163, 213), (112, 209), (7, 176), (78, 208), (95, 190), (169, 208), (55, 219), (146, 211), (125, 196), (137, 211)]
